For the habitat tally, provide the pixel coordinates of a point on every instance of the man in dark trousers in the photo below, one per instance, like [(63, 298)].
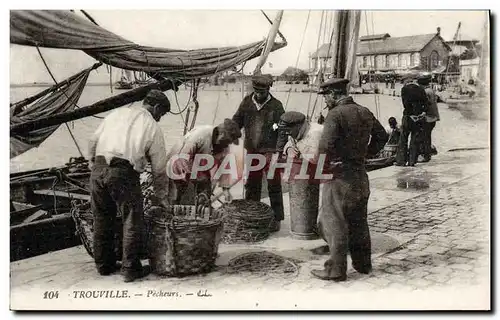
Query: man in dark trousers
[(431, 116), (119, 150), (259, 114), (414, 104), (346, 142)]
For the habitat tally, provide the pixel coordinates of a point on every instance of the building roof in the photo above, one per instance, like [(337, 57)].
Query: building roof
[(464, 39), (396, 45), (457, 49), (388, 45), (375, 37)]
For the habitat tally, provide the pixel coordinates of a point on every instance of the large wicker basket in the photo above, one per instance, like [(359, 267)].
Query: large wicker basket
[(182, 245), (246, 221), (84, 222), (175, 245)]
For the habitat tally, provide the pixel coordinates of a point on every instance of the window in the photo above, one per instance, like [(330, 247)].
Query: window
[(387, 64), (364, 62), (375, 64), (412, 59), (434, 60), (400, 60), (469, 73)]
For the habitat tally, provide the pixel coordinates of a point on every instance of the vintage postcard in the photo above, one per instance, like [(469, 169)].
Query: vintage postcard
[(249, 160)]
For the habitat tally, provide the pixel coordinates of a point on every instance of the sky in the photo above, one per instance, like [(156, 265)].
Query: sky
[(190, 29)]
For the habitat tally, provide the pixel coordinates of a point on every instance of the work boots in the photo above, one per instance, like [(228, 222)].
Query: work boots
[(132, 275)]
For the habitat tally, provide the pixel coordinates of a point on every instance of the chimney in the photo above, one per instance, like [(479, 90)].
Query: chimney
[(438, 31)]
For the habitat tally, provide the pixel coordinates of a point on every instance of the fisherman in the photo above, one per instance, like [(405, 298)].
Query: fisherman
[(431, 117), (259, 114), (346, 142), (209, 143), (415, 103), (298, 138), (393, 131), (390, 149), (119, 151), (298, 141)]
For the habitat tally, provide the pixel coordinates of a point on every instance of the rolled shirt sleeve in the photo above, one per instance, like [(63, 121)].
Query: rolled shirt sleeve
[(158, 157), (93, 141)]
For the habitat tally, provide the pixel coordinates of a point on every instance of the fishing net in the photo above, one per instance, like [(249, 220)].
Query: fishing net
[(264, 264), (246, 221)]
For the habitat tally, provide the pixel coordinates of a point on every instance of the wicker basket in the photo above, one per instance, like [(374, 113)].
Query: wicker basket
[(186, 244), (246, 221), (84, 222)]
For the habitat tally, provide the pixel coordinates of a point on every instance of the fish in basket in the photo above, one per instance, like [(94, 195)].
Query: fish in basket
[(184, 239), (246, 221)]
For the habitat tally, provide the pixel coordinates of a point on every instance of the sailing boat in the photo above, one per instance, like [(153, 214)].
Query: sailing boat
[(125, 81), (41, 199), (475, 104), (341, 50)]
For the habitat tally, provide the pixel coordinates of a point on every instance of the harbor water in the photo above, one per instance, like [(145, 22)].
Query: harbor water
[(219, 102)]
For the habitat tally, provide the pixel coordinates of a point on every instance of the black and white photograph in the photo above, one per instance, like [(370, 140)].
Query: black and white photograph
[(250, 159)]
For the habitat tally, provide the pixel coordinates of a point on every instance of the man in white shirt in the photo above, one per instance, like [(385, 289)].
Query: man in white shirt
[(119, 150), (205, 142)]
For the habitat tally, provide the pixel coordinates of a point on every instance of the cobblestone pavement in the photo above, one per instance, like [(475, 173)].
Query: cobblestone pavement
[(450, 242), (444, 244), (445, 236)]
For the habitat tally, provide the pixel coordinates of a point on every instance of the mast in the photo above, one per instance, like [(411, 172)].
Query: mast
[(269, 44), (483, 73)]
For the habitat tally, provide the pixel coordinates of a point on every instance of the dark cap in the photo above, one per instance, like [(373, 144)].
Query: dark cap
[(231, 130), (262, 82), (291, 118), (333, 84), (155, 97), (424, 77)]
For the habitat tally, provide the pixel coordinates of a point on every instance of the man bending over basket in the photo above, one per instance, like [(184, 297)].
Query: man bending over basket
[(192, 160), (119, 150)]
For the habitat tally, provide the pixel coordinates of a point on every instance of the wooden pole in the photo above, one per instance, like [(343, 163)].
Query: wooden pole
[(270, 41), (98, 107)]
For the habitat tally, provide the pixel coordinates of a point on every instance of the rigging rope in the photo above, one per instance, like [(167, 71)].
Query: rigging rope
[(195, 100), (217, 106), (55, 81), (375, 97), (317, 65), (298, 55)]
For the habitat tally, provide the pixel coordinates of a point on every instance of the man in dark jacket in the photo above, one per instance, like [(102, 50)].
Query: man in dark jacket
[(259, 114), (415, 104), (431, 117), (346, 143)]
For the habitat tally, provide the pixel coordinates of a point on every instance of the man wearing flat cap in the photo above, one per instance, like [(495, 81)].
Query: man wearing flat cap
[(299, 138), (431, 116), (126, 140), (259, 114), (415, 104), (351, 133), (207, 140)]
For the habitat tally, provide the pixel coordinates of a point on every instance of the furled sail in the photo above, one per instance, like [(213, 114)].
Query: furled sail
[(64, 29), (56, 100)]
